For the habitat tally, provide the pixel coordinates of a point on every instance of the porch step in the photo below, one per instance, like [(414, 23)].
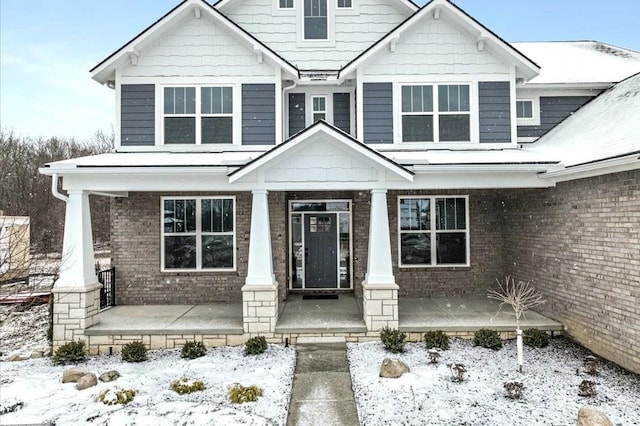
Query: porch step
[(312, 340)]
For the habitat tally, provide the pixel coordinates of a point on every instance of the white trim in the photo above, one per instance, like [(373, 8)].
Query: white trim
[(198, 233), (330, 41), (603, 167), (290, 241), (433, 231)]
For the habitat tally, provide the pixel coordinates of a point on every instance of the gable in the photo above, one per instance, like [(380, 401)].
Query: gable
[(193, 46)]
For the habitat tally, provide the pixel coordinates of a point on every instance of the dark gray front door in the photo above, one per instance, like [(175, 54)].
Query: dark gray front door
[(321, 250)]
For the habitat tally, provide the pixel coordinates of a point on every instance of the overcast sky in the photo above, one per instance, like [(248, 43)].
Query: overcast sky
[(47, 48)]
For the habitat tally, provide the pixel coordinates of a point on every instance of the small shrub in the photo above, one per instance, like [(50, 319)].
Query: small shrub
[(239, 394), (535, 338), (186, 385), (514, 389), (590, 364), (392, 340), (436, 339), (134, 352), (70, 353), (255, 345), (11, 408), (457, 372), (587, 388), (487, 339), (434, 355), (193, 350), (117, 396)]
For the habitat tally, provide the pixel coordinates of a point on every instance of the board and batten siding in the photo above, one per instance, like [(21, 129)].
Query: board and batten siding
[(258, 114), (553, 110), (137, 115), (378, 112), (297, 117), (342, 111), (494, 102)]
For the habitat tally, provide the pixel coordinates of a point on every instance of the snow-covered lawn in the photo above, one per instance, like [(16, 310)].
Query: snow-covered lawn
[(427, 395), (37, 383)]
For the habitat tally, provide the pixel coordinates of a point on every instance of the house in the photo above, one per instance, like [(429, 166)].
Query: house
[(266, 148), (15, 257)]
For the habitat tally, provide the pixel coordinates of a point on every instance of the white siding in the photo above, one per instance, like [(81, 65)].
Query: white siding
[(354, 32), (197, 47), (436, 47)]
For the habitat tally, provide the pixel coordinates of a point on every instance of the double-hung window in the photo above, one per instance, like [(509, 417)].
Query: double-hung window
[(436, 113), (433, 231), (198, 233), (316, 21), (319, 106), (198, 115)]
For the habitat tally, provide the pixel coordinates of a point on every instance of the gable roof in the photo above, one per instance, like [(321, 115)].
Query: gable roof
[(103, 70), (580, 62), (409, 4), (333, 132), (605, 129), (526, 66)]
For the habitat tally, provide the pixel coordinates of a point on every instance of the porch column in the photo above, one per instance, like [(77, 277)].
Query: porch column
[(379, 289), (260, 292), (76, 293)]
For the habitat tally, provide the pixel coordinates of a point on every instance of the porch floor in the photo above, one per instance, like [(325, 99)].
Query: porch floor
[(299, 316)]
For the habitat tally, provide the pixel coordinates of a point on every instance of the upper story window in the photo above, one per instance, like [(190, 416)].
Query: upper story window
[(316, 20), (345, 4), (524, 109), (285, 4), (433, 231), (198, 115), (319, 106), (442, 118)]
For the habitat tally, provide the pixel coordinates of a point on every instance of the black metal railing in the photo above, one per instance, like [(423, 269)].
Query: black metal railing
[(108, 291)]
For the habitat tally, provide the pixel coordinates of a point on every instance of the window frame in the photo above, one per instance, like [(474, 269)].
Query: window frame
[(198, 233), (433, 232), (338, 7), (535, 110), (304, 21), (325, 111), (436, 112), (280, 7), (199, 115)]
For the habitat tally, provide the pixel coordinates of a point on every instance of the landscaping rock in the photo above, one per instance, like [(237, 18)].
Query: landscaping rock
[(36, 355), (87, 381), (109, 376), (73, 375), (589, 416), (393, 368), (13, 358)]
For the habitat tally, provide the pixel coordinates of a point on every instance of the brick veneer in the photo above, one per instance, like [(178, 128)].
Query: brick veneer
[(580, 244)]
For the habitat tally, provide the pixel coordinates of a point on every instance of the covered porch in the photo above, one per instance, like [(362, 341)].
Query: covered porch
[(311, 320)]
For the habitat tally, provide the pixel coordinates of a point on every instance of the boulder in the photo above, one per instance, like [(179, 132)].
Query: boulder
[(393, 368), (73, 375), (589, 416), (87, 381), (109, 376)]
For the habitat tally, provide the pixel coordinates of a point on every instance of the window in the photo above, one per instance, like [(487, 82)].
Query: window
[(442, 118), (203, 116), (433, 231), (285, 4), (524, 109), (319, 108), (315, 20), (198, 233), (345, 4)]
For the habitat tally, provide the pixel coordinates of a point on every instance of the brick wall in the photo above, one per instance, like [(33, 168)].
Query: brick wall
[(580, 244), (486, 250), (135, 248)]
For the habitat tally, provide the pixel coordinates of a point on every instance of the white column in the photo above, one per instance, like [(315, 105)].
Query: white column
[(78, 261), (260, 268), (379, 266)]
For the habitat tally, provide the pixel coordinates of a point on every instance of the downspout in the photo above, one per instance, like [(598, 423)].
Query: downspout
[(284, 98), (54, 189)]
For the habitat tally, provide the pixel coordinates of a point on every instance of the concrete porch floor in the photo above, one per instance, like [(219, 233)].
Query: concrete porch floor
[(298, 316)]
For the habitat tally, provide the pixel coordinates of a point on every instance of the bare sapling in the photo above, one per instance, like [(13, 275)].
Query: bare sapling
[(521, 296)]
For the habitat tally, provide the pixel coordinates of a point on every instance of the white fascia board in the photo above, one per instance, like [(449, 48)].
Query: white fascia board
[(565, 86), (156, 171), (615, 165), (489, 168), (102, 72)]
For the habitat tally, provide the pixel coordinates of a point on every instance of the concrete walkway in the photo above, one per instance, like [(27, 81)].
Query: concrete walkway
[(322, 393)]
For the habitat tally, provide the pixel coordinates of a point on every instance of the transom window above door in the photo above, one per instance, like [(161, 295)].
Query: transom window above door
[(198, 115), (436, 113)]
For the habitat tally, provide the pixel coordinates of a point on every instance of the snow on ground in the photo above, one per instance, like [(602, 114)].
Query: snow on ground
[(37, 383), (23, 330), (427, 395)]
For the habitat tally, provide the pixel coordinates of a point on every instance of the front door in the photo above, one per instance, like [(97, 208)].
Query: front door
[(321, 250)]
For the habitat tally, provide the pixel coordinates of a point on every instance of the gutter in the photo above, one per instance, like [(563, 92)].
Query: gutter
[(617, 164), (54, 189)]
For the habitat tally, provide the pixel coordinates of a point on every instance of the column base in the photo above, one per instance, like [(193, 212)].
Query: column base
[(74, 310), (380, 305), (259, 308)]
